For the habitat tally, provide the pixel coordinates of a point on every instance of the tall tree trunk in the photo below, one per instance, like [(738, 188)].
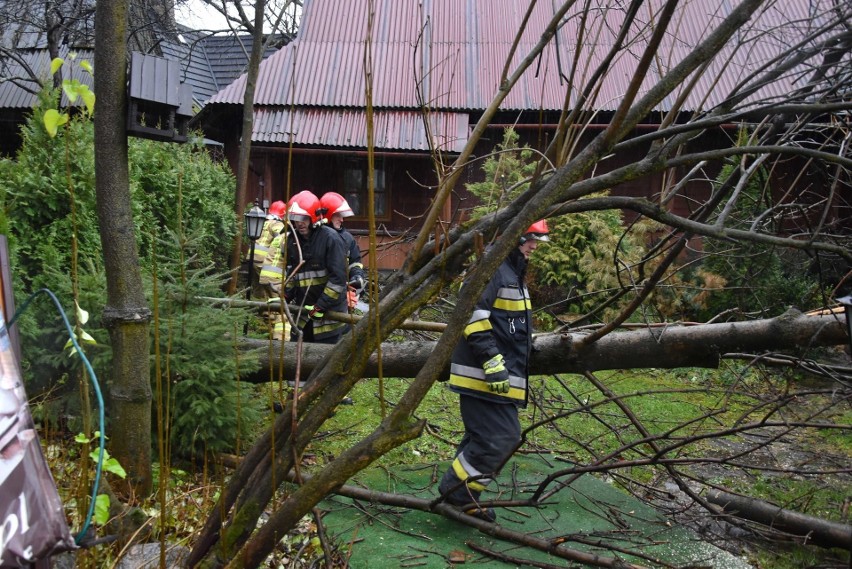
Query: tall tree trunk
[(126, 313), (241, 196)]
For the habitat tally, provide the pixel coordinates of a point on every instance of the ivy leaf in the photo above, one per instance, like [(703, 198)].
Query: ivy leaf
[(53, 119), (56, 64), (87, 66), (101, 509), (81, 438)]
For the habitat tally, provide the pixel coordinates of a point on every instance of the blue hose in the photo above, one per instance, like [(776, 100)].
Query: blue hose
[(102, 438)]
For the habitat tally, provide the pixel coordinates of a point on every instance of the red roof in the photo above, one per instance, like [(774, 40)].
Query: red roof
[(449, 55)]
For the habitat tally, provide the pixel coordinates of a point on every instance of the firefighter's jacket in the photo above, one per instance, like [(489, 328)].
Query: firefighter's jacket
[(272, 271), (500, 324), (320, 280), (271, 228), (356, 266)]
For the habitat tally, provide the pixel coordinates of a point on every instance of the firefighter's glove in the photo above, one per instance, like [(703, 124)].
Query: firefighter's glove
[(496, 375), (315, 312)]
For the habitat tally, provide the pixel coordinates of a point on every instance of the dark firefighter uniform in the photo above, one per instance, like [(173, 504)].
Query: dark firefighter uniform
[(356, 275), (320, 282), (500, 325)]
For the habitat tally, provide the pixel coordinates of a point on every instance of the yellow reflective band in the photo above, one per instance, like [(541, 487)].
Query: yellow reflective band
[(478, 326), (482, 387), (462, 475), (331, 293), (513, 305), (307, 283)]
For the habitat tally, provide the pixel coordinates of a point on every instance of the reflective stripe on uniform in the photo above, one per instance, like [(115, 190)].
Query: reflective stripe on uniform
[(473, 379), (307, 279), (270, 273), (333, 291), (463, 471), (260, 252), (513, 300), (479, 322), (325, 327)]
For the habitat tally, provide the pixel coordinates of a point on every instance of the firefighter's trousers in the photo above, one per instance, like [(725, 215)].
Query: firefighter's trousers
[(491, 433)]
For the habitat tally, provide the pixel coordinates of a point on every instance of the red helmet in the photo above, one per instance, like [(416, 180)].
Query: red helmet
[(278, 209), (335, 203), (537, 231), (303, 207)]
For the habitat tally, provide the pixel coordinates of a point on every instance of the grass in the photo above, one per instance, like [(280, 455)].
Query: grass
[(685, 405)]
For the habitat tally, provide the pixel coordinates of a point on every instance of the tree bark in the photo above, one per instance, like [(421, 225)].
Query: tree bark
[(126, 313), (812, 530), (660, 347), (240, 196)]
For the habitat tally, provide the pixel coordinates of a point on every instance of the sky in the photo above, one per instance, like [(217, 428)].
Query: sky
[(196, 14)]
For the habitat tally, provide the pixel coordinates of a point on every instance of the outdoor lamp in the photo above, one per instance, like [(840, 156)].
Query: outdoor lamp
[(255, 218), (254, 222)]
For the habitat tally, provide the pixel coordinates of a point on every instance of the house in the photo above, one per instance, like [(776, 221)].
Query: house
[(208, 63), (446, 56)]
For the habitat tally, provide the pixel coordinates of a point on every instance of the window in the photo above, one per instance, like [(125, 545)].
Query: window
[(355, 187)]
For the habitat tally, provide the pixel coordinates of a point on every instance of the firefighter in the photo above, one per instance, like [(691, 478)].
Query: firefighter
[(271, 273), (273, 225), (317, 256), (489, 372), (334, 208)]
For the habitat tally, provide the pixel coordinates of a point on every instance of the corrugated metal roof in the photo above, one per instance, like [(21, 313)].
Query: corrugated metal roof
[(23, 93), (347, 128), (452, 51)]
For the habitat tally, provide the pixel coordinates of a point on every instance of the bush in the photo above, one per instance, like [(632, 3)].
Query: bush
[(183, 209), (577, 269)]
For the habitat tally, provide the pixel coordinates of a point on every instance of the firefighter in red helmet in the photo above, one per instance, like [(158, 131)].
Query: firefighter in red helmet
[(489, 372), (273, 225), (335, 208), (315, 254)]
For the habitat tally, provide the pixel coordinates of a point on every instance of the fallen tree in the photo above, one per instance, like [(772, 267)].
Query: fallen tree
[(568, 180), (701, 345), (808, 528)]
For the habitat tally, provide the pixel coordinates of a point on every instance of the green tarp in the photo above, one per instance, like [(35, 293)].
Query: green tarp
[(590, 511)]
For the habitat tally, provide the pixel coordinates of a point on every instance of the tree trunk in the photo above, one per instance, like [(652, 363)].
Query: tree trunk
[(659, 347), (126, 313), (241, 197), (812, 530)]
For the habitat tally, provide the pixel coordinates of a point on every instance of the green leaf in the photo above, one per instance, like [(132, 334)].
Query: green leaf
[(88, 98), (71, 90), (112, 465), (82, 315), (56, 64), (53, 119), (101, 509), (87, 66), (81, 438)]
